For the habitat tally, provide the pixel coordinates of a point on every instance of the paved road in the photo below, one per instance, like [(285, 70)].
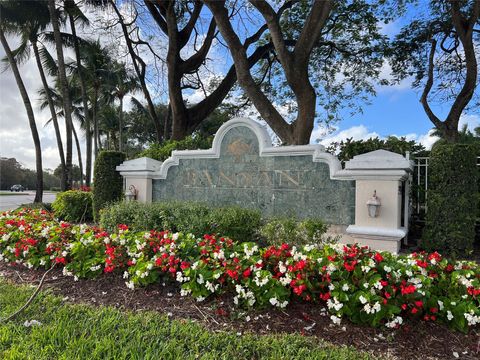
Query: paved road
[(10, 202)]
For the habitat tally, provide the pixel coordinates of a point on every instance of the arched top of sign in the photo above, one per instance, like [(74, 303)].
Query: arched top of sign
[(240, 137)]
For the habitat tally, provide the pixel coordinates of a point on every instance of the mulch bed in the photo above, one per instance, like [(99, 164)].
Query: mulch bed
[(419, 340)]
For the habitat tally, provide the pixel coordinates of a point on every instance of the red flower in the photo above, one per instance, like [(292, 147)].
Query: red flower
[(325, 296), (299, 289), (404, 306), (60, 260), (247, 273), (123, 227), (419, 303), (414, 310), (405, 290), (184, 265), (422, 264), (350, 267), (378, 257)]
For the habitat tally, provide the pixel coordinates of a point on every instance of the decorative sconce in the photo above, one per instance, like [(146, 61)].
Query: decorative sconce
[(131, 193), (373, 205)]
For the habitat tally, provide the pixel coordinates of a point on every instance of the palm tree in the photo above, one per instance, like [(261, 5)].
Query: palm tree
[(123, 84), (77, 111), (76, 15), (98, 66), (29, 32), (62, 76), (10, 20)]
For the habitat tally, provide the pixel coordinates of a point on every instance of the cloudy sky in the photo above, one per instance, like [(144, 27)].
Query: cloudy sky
[(395, 110)]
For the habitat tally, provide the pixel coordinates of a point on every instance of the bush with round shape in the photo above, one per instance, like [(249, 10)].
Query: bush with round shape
[(108, 183), (73, 206)]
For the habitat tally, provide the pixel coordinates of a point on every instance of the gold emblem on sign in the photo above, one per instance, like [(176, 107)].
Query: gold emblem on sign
[(238, 148)]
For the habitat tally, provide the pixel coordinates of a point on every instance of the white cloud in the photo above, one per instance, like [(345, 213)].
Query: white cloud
[(359, 132)]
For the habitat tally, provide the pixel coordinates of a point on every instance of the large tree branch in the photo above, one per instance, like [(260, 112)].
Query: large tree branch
[(272, 21), (184, 34), (205, 107), (157, 16), (192, 64), (428, 86), (311, 30), (464, 28), (261, 102)]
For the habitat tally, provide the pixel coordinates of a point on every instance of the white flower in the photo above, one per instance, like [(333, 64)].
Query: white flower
[(440, 305), (345, 287), (362, 299), (449, 315), (185, 292), (335, 319), (471, 318), (175, 236), (273, 301), (200, 299), (200, 279), (130, 285), (387, 269), (125, 275)]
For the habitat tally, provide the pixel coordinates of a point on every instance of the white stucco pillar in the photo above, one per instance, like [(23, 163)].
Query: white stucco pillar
[(382, 172), (138, 172)]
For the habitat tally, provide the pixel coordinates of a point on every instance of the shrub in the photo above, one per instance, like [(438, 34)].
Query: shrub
[(163, 151), (451, 200), (296, 232), (73, 206), (187, 217), (108, 182), (235, 222)]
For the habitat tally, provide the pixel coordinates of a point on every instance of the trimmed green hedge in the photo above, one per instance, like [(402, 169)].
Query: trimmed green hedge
[(451, 199), (74, 206), (188, 217), (108, 184), (293, 231)]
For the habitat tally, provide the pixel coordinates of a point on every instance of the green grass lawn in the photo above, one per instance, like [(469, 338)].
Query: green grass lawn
[(7, 193), (85, 332)]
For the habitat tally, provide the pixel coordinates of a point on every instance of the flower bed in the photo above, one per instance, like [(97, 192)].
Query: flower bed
[(362, 285)]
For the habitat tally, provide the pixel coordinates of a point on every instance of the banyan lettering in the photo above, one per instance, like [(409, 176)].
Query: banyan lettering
[(291, 179)]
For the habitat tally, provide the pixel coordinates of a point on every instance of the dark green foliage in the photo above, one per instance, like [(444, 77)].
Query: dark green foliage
[(74, 206), (346, 150), (239, 223), (452, 199), (289, 230), (108, 182), (12, 172), (188, 217), (163, 151)]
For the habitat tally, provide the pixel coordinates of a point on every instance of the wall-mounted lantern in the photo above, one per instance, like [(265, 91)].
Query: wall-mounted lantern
[(131, 193), (373, 205)]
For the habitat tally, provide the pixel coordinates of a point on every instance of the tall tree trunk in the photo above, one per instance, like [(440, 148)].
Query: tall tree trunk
[(30, 115), (67, 104), (120, 126), (83, 89), (79, 154), (95, 122), (166, 125), (51, 106)]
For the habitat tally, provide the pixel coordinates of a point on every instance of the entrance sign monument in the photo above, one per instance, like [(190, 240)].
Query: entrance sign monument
[(243, 168)]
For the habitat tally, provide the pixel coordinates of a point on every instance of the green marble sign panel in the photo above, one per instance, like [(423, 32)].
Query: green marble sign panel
[(278, 185)]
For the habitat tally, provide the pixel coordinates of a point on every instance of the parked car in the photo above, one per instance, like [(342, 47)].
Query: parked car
[(17, 188)]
